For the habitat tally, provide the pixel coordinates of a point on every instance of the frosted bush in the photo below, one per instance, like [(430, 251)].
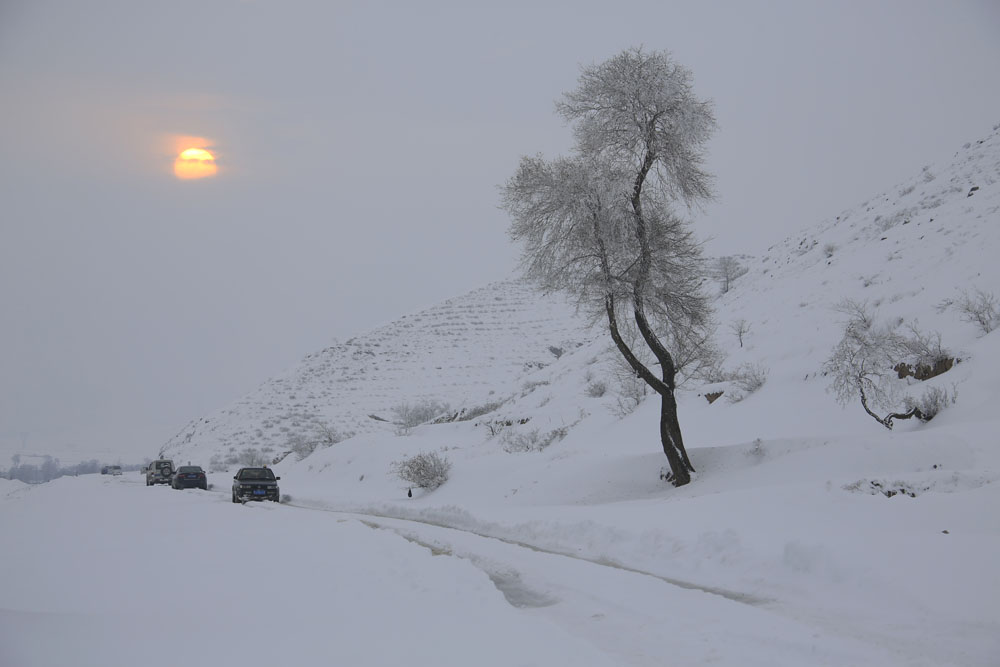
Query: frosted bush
[(979, 308), (925, 348), (252, 458), (532, 385), (426, 470), (632, 391), (597, 389), (756, 450), (316, 435), (406, 416), (478, 411), (746, 379), (530, 441), (931, 402)]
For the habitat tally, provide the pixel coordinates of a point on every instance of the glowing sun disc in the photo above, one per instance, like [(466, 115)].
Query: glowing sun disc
[(195, 163)]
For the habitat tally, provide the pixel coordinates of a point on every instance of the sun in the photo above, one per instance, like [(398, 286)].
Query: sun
[(195, 163)]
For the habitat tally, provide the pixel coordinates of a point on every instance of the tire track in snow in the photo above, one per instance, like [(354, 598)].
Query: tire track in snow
[(368, 517)]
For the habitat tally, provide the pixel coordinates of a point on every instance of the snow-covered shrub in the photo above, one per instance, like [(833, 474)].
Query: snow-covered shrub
[(478, 411), (304, 443), (631, 391), (252, 458), (756, 450), (932, 402), (532, 385), (534, 440), (596, 389), (979, 308), (406, 416), (426, 470), (746, 379), (925, 349)]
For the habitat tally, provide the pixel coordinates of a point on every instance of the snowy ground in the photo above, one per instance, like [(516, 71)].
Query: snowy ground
[(809, 536), (105, 571)]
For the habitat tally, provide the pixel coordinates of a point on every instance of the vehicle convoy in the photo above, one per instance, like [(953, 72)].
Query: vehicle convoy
[(255, 484), (159, 472), (189, 476)]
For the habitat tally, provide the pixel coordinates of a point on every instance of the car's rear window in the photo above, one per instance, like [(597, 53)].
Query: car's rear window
[(189, 469), (259, 473)]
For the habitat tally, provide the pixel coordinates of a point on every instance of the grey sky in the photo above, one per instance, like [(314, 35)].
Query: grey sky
[(360, 147)]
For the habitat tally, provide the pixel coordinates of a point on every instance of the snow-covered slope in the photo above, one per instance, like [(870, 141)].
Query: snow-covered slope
[(468, 352), (904, 252)]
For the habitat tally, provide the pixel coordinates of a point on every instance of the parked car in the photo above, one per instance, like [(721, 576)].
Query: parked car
[(255, 484), (159, 472), (114, 470), (189, 476)]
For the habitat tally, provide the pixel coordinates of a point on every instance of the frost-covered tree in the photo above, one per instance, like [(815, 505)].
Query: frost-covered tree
[(740, 328), (861, 365), (602, 223), (727, 270)]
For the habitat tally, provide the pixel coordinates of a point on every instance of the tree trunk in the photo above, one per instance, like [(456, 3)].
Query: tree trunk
[(670, 428), (673, 445), (864, 404), (887, 420)]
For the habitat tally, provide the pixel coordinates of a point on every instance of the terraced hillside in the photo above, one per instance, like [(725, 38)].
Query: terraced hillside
[(467, 352)]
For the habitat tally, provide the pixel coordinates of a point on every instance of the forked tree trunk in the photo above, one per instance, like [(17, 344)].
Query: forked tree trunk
[(670, 428), (673, 444)]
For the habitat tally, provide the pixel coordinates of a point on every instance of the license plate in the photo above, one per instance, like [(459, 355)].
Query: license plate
[(191, 476), (260, 492)]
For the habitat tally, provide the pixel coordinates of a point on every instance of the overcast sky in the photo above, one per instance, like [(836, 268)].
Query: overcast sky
[(360, 147)]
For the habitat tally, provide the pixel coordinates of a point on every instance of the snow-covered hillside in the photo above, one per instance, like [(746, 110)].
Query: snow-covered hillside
[(468, 352)]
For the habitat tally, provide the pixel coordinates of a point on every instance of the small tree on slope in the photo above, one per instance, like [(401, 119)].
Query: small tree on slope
[(600, 224), (861, 365)]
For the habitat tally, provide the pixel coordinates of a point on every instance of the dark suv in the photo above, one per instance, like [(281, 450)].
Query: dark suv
[(159, 472), (255, 484)]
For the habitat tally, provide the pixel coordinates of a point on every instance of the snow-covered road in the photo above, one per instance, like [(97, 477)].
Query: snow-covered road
[(104, 571)]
